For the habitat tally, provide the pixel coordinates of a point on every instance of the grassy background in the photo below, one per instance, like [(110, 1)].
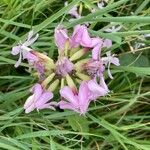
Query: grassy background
[(118, 121)]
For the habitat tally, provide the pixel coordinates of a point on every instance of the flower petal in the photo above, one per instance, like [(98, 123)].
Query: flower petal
[(96, 89), (30, 108), (67, 93), (19, 60), (31, 39), (61, 36), (83, 97), (15, 50), (96, 52), (76, 36), (115, 61), (37, 90), (66, 105), (86, 41), (107, 43), (43, 99), (45, 106), (29, 102)]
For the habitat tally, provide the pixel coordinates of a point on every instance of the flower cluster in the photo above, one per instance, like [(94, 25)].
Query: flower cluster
[(79, 64)]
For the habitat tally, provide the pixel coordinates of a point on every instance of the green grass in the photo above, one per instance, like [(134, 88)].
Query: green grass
[(118, 121)]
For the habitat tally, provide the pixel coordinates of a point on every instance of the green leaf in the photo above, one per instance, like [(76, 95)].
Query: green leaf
[(78, 123), (136, 70), (132, 60)]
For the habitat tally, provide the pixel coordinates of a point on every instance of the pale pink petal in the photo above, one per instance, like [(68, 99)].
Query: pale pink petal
[(30, 108), (115, 61), (19, 60), (66, 105), (96, 52), (103, 84), (31, 39), (107, 43), (29, 102), (61, 36), (37, 90), (83, 97), (86, 41), (76, 36), (109, 74), (83, 93), (30, 34), (67, 93), (43, 99), (45, 106), (96, 89), (31, 58), (96, 41), (97, 45), (15, 50)]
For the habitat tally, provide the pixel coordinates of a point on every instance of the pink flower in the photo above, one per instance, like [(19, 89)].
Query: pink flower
[(81, 37), (22, 48), (39, 100), (78, 102), (61, 37), (108, 60), (64, 66), (97, 90)]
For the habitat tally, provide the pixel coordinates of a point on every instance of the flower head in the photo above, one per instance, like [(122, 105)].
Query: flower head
[(39, 100)]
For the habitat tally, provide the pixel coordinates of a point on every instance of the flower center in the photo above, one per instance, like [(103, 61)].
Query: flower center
[(64, 66)]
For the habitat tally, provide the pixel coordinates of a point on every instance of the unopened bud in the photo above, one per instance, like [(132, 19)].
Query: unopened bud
[(78, 81), (48, 79), (70, 82), (83, 76), (80, 8), (73, 51), (54, 85), (62, 83), (44, 57), (49, 65), (77, 55), (67, 45), (79, 64)]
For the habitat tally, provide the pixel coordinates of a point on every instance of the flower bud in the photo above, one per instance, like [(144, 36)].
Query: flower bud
[(70, 82), (54, 85), (83, 76), (62, 83), (77, 55), (48, 80), (79, 64), (67, 45)]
